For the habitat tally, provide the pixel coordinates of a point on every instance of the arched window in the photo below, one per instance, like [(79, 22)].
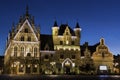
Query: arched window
[(22, 51), (35, 52), (22, 38), (29, 38), (15, 51)]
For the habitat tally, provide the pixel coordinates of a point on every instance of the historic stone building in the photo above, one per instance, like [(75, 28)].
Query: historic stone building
[(30, 52), (61, 50), (103, 59), (22, 53)]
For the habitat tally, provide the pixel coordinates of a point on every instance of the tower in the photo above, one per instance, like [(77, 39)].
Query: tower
[(77, 31), (55, 29)]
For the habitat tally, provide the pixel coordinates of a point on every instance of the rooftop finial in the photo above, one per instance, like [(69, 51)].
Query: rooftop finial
[(77, 25), (102, 41), (55, 23), (27, 11)]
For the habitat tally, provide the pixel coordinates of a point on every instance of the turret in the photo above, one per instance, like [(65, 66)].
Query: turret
[(77, 30), (55, 29)]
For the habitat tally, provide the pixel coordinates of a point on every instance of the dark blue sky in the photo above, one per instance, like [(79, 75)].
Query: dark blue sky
[(97, 18)]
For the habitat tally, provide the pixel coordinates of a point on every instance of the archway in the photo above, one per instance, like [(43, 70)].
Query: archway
[(67, 66)]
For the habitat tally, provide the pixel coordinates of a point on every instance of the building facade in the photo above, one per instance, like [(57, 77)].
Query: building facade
[(23, 48), (103, 59), (30, 52)]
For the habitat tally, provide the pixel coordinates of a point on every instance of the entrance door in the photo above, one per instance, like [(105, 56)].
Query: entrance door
[(28, 69), (67, 70)]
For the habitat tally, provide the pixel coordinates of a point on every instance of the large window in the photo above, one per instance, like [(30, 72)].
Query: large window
[(22, 51), (15, 51), (35, 52)]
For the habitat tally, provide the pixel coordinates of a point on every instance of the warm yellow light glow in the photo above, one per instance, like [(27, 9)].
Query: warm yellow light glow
[(67, 64), (67, 42), (29, 65), (12, 65), (35, 66), (21, 65), (73, 64)]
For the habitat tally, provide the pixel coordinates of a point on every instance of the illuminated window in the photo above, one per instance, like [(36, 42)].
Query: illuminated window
[(22, 38), (21, 68), (35, 68), (67, 42), (28, 65), (22, 51), (15, 51), (35, 52)]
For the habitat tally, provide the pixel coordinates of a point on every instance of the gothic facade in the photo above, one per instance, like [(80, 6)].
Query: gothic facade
[(30, 52)]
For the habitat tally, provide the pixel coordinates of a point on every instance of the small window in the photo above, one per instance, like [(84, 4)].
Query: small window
[(22, 38), (46, 57), (28, 54), (66, 33), (61, 56), (73, 56), (29, 38), (73, 43), (26, 30), (51, 55), (61, 42)]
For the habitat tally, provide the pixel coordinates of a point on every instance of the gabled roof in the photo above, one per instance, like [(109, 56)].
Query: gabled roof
[(26, 21), (46, 40), (62, 29), (92, 48)]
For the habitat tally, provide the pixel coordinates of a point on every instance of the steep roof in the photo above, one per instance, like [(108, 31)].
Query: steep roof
[(62, 29), (46, 40), (92, 48)]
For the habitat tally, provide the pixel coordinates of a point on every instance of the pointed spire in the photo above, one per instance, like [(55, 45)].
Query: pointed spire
[(77, 25), (55, 23), (27, 11)]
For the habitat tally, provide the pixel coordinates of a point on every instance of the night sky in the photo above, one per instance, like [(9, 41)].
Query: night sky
[(97, 18)]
